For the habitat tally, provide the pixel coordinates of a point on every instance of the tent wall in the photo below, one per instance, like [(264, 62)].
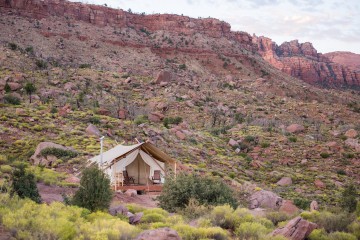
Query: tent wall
[(139, 170)]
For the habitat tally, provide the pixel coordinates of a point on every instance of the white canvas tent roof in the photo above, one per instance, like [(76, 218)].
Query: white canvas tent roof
[(145, 156)]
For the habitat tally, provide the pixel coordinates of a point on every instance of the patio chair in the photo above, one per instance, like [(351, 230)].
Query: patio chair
[(156, 179), (119, 180), (127, 178)]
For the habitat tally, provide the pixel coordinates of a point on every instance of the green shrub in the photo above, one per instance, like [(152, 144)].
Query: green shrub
[(13, 46), (141, 119), (134, 208), (182, 66), (171, 120), (206, 190), (85, 65), (302, 203), (194, 209), (276, 217), (153, 217), (6, 168), (29, 49), (3, 159), (331, 222), (324, 155), (10, 99), (341, 236), (292, 139), (58, 152), (354, 228), (251, 230), (224, 217), (187, 232), (265, 144), (349, 202), (318, 234), (94, 192), (94, 120), (41, 64), (7, 88), (24, 184)]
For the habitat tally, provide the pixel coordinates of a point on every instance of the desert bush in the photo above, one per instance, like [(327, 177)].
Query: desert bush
[(187, 232), (153, 217), (354, 228), (24, 184), (206, 190), (48, 176), (251, 230), (349, 195), (194, 209), (13, 46), (5, 169), (171, 120), (224, 217), (94, 192), (85, 65), (331, 222), (141, 119), (10, 99), (265, 144), (3, 159), (134, 208), (276, 217), (59, 153), (292, 139), (302, 203), (41, 64), (7, 88), (324, 155), (341, 236), (94, 120)]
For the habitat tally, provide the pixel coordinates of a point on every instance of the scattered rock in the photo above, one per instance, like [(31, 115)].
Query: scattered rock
[(285, 181), (155, 116), (351, 133), (64, 110), (37, 158), (122, 114), (289, 207), (14, 86), (354, 143), (72, 179), (232, 142), (296, 229), (180, 135), (295, 128), (135, 218), (119, 210), (131, 192), (314, 206), (319, 184), (69, 86), (159, 234), (163, 76), (93, 130), (20, 112), (265, 199)]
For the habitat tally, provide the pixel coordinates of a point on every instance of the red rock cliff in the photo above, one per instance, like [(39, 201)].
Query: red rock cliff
[(301, 60)]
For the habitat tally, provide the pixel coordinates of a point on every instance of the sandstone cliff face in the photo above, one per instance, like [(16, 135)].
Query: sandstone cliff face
[(349, 59), (301, 60)]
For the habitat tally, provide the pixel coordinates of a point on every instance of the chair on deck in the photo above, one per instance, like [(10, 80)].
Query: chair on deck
[(127, 178), (119, 180), (156, 179)]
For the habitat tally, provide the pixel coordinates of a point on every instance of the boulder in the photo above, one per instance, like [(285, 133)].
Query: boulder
[(92, 130), (180, 135), (37, 158), (155, 116), (232, 142), (159, 234), (73, 180), (351, 133), (314, 206), (118, 210), (319, 184), (135, 218), (354, 143), (14, 86), (295, 128), (296, 229), (131, 192), (163, 76), (289, 207), (285, 181), (265, 199)]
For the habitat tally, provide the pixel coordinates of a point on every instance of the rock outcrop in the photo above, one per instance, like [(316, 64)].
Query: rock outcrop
[(265, 199), (37, 158), (301, 60), (349, 59), (296, 229)]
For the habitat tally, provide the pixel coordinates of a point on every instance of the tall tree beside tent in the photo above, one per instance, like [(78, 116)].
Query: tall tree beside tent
[(24, 184), (94, 192), (30, 89)]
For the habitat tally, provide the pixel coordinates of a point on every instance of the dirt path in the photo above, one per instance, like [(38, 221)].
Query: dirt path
[(4, 234), (147, 201)]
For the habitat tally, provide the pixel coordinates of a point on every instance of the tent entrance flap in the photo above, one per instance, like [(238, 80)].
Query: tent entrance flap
[(139, 170)]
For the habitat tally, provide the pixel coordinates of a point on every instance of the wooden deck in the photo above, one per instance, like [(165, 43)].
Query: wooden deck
[(145, 188)]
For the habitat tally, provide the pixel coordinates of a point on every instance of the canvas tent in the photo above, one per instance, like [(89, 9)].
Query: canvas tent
[(140, 161)]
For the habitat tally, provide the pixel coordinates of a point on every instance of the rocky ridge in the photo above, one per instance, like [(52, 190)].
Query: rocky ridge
[(301, 60)]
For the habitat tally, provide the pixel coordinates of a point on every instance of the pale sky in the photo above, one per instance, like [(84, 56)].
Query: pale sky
[(330, 25)]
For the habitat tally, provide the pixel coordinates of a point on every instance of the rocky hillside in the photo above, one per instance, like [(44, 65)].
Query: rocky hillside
[(349, 59), (176, 34), (301, 60), (191, 86)]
